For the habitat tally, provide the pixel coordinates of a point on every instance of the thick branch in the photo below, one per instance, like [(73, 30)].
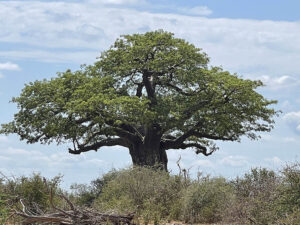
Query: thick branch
[(199, 148), (174, 143), (149, 87), (97, 145), (124, 131)]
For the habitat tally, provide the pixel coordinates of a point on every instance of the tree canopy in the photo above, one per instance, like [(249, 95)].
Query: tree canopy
[(149, 93)]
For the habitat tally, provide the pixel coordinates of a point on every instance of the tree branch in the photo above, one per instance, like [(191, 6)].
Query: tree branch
[(212, 137), (149, 87), (125, 131), (97, 145), (179, 90), (139, 89), (199, 148), (172, 143)]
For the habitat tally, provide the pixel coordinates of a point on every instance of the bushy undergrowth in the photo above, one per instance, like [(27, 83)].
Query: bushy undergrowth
[(261, 196), (31, 191), (206, 200), (148, 192)]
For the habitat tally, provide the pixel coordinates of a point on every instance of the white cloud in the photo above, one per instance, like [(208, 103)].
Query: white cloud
[(2, 158), (117, 2), (289, 139), (293, 119), (79, 57), (197, 11), (245, 46), (19, 161), (18, 152), (234, 161), (286, 104), (277, 139), (9, 66), (3, 139), (276, 83), (266, 137), (274, 160), (204, 163)]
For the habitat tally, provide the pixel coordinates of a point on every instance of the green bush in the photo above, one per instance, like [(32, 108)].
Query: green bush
[(85, 195), (206, 200), (256, 195), (4, 210), (291, 187), (291, 219), (32, 191), (260, 197), (151, 193)]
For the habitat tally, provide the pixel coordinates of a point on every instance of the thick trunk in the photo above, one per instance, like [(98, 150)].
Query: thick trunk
[(149, 152), (149, 156)]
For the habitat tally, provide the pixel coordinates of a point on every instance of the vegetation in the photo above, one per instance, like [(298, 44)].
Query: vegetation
[(261, 196), (26, 190), (149, 93)]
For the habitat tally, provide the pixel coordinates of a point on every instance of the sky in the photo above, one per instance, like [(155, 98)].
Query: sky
[(255, 39)]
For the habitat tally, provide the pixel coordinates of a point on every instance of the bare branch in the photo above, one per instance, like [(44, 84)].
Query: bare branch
[(178, 89), (97, 145), (199, 148)]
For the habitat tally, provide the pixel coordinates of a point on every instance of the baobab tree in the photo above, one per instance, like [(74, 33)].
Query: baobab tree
[(149, 93)]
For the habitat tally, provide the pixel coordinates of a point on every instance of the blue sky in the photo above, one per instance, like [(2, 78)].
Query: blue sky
[(256, 39)]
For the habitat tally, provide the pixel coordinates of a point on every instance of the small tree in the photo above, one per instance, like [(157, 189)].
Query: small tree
[(149, 93)]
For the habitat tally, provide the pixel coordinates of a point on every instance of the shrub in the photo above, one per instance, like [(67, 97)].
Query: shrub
[(291, 187), (255, 198), (151, 193), (32, 191), (85, 195), (260, 197), (4, 210), (288, 202), (291, 219), (204, 201)]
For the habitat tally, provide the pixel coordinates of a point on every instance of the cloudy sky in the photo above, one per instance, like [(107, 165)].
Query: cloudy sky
[(256, 39)]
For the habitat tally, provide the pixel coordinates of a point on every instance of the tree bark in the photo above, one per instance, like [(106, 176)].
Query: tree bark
[(149, 152), (149, 156)]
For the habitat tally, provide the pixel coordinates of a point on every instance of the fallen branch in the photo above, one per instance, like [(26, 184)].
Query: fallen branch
[(83, 217), (74, 216)]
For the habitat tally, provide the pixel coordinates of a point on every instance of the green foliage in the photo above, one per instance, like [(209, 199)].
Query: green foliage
[(86, 194), (4, 210), (291, 219), (31, 190), (291, 186), (205, 201), (255, 200), (151, 193), (157, 195), (261, 196)]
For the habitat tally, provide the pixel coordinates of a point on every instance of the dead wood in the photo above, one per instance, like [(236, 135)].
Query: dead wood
[(74, 216)]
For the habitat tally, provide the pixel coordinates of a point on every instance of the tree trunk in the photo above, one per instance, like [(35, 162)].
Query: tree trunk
[(149, 152), (149, 156)]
